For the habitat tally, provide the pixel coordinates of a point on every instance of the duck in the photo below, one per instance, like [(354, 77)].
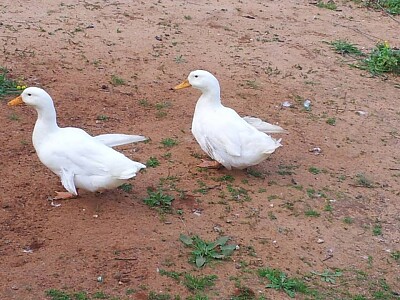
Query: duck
[(226, 137), (80, 160)]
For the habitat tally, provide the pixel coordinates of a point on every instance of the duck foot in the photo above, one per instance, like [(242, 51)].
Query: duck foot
[(60, 196), (209, 164)]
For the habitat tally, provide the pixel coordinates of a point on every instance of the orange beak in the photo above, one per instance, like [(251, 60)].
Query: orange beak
[(16, 101), (183, 85)]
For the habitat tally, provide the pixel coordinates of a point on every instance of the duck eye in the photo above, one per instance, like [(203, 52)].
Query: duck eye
[(29, 94), (196, 76)]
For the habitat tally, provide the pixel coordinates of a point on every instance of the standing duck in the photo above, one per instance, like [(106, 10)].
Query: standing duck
[(229, 139), (79, 159)]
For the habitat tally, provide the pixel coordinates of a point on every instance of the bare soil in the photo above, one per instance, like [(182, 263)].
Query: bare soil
[(263, 53)]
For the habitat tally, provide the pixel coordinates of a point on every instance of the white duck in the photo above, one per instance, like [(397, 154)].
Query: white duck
[(232, 141), (80, 160)]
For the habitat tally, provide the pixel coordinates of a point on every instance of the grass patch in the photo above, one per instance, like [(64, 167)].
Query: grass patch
[(312, 213), (348, 220), (280, 281), (54, 294), (169, 142), (126, 187), (116, 80), (382, 59), (171, 274), (205, 251), (199, 283), (286, 170), (7, 85), (377, 229), (157, 198), (361, 180), (344, 47), (314, 170), (327, 5), (331, 121), (396, 255), (152, 162), (238, 193)]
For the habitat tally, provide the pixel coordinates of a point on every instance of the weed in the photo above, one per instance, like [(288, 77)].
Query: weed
[(311, 192), (227, 178), (8, 86), (280, 281), (243, 293), (314, 170), (203, 189), (155, 296), (361, 180), (126, 187), (60, 295), (116, 80), (144, 103), (328, 207), (205, 251), (169, 142), (348, 220), (312, 213), (396, 255), (158, 199), (179, 59), (382, 59), (13, 117), (377, 229), (100, 295), (152, 162), (197, 297), (238, 193), (328, 276), (331, 121), (253, 84), (102, 118), (199, 283), (170, 274), (391, 6), (328, 5), (343, 47), (286, 170), (255, 173)]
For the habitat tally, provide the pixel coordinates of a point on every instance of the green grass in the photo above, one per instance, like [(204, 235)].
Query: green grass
[(102, 118), (314, 170), (126, 187), (171, 274), (169, 142), (157, 198), (238, 193), (54, 294), (396, 255), (160, 296), (361, 180), (382, 59), (280, 281), (7, 85), (199, 283), (206, 251), (328, 276), (312, 213), (328, 5), (286, 170), (377, 229), (152, 162), (391, 6), (348, 220), (344, 47), (331, 121), (116, 80)]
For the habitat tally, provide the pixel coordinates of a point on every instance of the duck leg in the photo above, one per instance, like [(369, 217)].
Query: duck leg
[(60, 196), (209, 164)]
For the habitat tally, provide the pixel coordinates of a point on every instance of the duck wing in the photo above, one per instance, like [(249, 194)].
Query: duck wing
[(117, 139)]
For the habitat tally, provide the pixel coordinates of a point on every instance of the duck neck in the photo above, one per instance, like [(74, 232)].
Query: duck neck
[(46, 124), (209, 98)]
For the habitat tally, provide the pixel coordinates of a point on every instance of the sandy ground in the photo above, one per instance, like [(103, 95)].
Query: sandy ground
[(263, 53)]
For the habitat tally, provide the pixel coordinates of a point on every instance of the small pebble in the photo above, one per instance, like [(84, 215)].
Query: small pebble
[(286, 104), (361, 113), (307, 104), (320, 241)]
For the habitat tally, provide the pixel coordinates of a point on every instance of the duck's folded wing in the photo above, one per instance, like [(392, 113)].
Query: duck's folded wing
[(67, 180), (117, 139), (263, 126)]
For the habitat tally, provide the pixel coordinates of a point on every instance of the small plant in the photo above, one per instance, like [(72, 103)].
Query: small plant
[(280, 281), (361, 180), (396, 255), (102, 118), (205, 251), (312, 213), (382, 59), (144, 102), (8, 86), (180, 59), (170, 274), (152, 162), (227, 178), (377, 229), (391, 6), (115, 80), (126, 187), (328, 5), (161, 296), (253, 84), (238, 193), (169, 142), (343, 47), (348, 220), (158, 199), (60, 295), (328, 276), (286, 170), (243, 293), (331, 121), (100, 295), (255, 173), (314, 170), (187, 17), (199, 283)]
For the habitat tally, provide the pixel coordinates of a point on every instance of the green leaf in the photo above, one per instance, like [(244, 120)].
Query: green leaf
[(222, 240), (187, 240), (200, 261), (228, 249), (217, 255)]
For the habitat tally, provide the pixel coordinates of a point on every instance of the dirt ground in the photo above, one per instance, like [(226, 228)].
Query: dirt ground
[(304, 211)]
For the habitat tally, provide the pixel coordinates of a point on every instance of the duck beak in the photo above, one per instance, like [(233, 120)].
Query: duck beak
[(16, 101), (183, 85)]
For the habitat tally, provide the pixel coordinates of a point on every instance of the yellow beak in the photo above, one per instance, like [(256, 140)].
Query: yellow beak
[(16, 101), (183, 85)]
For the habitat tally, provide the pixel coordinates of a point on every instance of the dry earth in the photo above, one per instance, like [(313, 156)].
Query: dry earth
[(264, 53)]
